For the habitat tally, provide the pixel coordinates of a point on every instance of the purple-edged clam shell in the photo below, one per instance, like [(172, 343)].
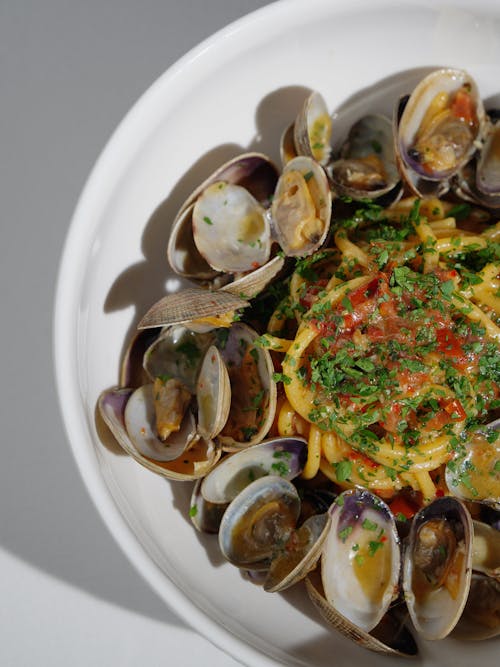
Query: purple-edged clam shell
[(361, 558), (259, 518), (280, 456), (437, 566)]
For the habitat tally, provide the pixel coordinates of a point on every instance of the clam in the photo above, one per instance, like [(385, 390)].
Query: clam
[(230, 228), (479, 180), (360, 564), (301, 208), (144, 428), (285, 457), (177, 351), (253, 391), (488, 164), (193, 304), (486, 550), (259, 518), (438, 128), (366, 167), (197, 456), (313, 128), (287, 145), (437, 566), (481, 616), (204, 515), (474, 473), (298, 555), (154, 423), (237, 192)]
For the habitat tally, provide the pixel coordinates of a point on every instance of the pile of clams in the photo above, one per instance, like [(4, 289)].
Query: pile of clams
[(197, 398)]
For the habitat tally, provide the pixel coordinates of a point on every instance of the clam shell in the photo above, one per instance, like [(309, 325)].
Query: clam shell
[(300, 216), (188, 305), (446, 81), (299, 555), (436, 608), (283, 456), (253, 390), (205, 516), (391, 636), (367, 166), (313, 128), (360, 565), (213, 394), (260, 517), (139, 417), (177, 352), (194, 462), (230, 228), (481, 616), (253, 171)]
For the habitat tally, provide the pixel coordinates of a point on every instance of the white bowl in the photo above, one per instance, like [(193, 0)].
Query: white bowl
[(235, 91)]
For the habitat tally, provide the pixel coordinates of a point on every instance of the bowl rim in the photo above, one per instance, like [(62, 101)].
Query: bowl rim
[(69, 282)]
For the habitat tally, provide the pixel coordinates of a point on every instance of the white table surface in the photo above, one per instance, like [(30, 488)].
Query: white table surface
[(69, 71)]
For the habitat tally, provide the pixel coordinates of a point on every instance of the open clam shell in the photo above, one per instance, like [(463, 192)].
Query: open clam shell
[(366, 168), (437, 566), (488, 164), (204, 515), (313, 128), (285, 457), (230, 228), (486, 550), (302, 207), (140, 424), (253, 171), (360, 565), (253, 391), (260, 517), (193, 463), (299, 555), (481, 615), (176, 352), (213, 394), (440, 125)]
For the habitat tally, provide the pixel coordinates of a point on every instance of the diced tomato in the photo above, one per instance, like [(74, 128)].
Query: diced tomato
[(450, 346), (361, 459), (462, 107), (392, 419), (451, 410), (402, 506), (454, 408)]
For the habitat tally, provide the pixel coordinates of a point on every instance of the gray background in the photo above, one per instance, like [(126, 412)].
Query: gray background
[(69, 72)]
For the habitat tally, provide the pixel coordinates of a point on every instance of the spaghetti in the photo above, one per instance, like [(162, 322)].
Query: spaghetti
[(395, 348)]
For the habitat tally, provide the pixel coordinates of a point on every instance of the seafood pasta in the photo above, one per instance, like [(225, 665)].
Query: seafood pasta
[(331, 382), (397, 346)]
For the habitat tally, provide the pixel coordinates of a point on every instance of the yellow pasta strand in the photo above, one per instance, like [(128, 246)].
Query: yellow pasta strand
[(313, 453)]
